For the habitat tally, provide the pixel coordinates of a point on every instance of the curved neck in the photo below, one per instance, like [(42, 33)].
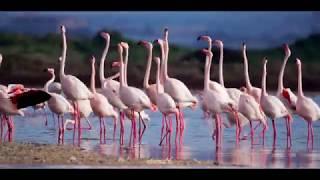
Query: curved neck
[(207, 73), (221, 67), (264, 79), (92, 79), (280, 79), (64, 54), (246, 70), (300, 92), (158, 78), (126, 57), (46, 86), (103, 58), (147, 74)]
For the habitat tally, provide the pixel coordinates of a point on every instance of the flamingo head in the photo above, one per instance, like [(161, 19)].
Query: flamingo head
[(218, 43), (120, 48), (60, 59), (159, 41), (146, 44), (166, 32), (205, 38), (157, 60), (244, 46), (286, 95), (50, 70), (124, 45), (298, 61), (93, 59), (15, 88), (287, 50), (105, 35), (63, 29)]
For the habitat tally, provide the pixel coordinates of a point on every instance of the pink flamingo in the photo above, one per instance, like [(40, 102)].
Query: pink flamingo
[(306, 107)]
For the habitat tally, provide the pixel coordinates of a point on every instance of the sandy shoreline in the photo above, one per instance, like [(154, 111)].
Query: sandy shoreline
[(28, 155)]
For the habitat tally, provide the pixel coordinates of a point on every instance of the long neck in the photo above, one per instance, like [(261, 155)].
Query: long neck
[(164, 60), (126, 57), (264, 79), (246, 70), (207, 73), (300, 92), (92, 80), (64, 54), (103, 58), (221, 67), (158, 78), (280, 79), (147, 74), (121, 71), (46, 86)]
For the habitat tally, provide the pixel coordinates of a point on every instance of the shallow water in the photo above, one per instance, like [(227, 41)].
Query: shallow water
[(197, 141)]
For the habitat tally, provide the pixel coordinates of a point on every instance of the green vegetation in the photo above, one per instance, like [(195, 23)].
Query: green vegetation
[(25, 56)]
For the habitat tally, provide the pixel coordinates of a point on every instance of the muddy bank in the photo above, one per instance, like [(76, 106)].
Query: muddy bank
[(27, 155)]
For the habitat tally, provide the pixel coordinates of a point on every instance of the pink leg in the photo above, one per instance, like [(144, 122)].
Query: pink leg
[(1, 130), (114, 128), (168, 131), (79, 124), (251, 132), (311, 127), (75, 122), (59, 131), (104, 130), (237, 127), (144, 127), (122, 120), (308, 134), (289, 123), (274, 132), (162, 126), (131, 132), (217, 130), (100, 121), (62, 123)]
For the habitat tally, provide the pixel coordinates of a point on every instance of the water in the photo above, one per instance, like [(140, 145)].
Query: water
[(197, 141)]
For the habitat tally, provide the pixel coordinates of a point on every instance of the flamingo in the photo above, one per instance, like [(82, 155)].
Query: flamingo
[(110, 87), (58, 105), (174, 87), (214, 100), (273, 107), (74, 89), (285, 94), (233, 93), (250, 108), (306, 107), (253, 91), (132, 97), (151, 90), (165, 103), (100, 105)]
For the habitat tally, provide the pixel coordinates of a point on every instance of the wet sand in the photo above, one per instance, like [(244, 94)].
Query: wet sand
[(28, 155)]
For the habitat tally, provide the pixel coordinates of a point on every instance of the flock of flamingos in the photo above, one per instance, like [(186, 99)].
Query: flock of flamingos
[(168, 95)]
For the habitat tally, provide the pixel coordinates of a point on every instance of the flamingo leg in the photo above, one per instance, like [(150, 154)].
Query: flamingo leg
[(311, 127), (114, 128), (45, 114), (274, 132), (168, 131), (75, 122), (144, 127), (1, 130), (289, 124), (162, 126), (217, 130), (251, 132), (122, 130), (104, 130), (62, 128), (79, 124), (100, 130), (308, 133), (59, 130)]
